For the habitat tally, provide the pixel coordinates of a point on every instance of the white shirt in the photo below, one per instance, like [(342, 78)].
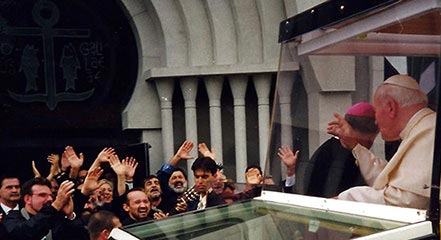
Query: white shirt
[(7, 209)]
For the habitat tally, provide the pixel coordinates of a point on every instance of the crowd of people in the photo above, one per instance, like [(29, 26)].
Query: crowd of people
[(77, 203)]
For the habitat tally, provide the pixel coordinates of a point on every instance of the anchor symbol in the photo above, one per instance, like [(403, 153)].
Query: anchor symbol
[(48, 33)]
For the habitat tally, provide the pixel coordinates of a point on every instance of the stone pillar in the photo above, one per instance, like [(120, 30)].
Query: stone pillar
[(238, 85), (165, 88), (284, 91), (262, 83), (213, 84), (189, 87)]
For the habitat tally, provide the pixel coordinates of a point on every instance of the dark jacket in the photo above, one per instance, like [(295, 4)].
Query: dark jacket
[(330, 171), (38, 226), (213, 199), (169, 197)]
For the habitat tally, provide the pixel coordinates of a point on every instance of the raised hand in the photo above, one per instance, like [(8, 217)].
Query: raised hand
[(68, 208), (131, 164), (205, 152), (75, 161), (91, 181), (184, 151), (160, 215), (116, 165), (342, 129), (37, 173), (54, 160), (64, 162), (104, 155), (63, 195), (288, 158)]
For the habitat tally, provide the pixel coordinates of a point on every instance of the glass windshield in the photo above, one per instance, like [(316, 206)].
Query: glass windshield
[(337, 69), (259, 219)]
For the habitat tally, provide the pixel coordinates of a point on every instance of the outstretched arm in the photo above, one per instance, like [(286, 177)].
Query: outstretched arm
[(54, 160), (120, 171), (103, 156), (343, 130), (182, 153), (204, 151), (91, 181), (288, 158), (75, 161)]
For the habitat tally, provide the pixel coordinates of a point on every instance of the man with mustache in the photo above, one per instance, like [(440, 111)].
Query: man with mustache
[(43, 216), (9, 194), (173, 179), (153, 189), (9, 198)]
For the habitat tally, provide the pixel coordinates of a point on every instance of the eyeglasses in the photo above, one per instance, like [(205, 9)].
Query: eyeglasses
[(43, 195)]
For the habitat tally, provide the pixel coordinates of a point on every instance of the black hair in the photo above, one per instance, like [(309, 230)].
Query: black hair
[(26, 189), (6, 176), (254, 166), (362, 124), (179, 169), (204, 164)]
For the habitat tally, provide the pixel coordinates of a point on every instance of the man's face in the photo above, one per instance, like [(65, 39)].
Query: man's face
[(153, 187), (384, 119), (82, 175), (41, 196), (218, 185), (10, 191), (203, 180), (177, 182), (253, 176), (138, 206)]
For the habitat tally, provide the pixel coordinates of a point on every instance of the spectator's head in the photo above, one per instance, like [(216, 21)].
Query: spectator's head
[(36, 193), (218, 185), (152, 187), (105, 191), (9, 190), (396, 100), (82, 176), (101, 224), (178, 180), (54, 188), (253, 175), (204, 172), (137, 204), (361, 117)]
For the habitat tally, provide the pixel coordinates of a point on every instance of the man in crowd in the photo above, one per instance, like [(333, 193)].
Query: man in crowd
[(101, 224), (173, 179), (401, 112), (153, 189), (137, 206), (204, 172), (9, 194), (42, 216)]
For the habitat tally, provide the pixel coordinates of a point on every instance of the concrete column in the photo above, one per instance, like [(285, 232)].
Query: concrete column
[(238, 85), (165, 88), (213, 84), (189, 87), (262, 83), (284, 90)]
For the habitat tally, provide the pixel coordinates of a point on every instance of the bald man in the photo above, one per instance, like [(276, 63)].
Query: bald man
[(401, 113)]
